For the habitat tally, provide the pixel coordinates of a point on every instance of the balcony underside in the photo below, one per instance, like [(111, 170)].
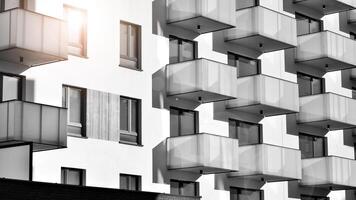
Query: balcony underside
[(205, 24), (261, 109), (329, 124), (332, 64), (332, 186), (254, 42), (203, 170), (35, 145), (201, 96), (331, 6), (27, 57), (260, 177)]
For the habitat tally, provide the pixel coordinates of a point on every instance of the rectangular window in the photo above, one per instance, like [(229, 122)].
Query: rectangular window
[(245, 194), (184, 188), (11, 87), (247, 133), (71, 176), (77, 30), (307, 25), (242, 4), (11, 4), (353, 93), (312, 146), (130, 45), (74, 99), (353, 35), (183, 122), (130, 182), (181, 50), (309, 197), (245, 66), (309, 85), (130, 120)]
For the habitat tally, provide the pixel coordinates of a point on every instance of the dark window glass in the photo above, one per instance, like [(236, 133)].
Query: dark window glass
[(353, 35), (181, 50), (184, 188), (72, 176), (245, 194), (247, 133), (11, 87), (309, 85), (73, 98), (130, 45), (130, 120), (312, 146), (245, 66), (354, 93), (182, 122), (130, 182), (241, 4), (306, 25)]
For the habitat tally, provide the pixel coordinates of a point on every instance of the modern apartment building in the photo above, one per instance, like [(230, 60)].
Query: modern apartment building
[(182, 99)]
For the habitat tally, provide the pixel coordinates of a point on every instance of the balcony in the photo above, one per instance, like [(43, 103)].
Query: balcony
[(263, 30), (201, 80), (202, 153), (326, 51), (329, 111), (45, 126), (335, 172), (351, 17), (327, 6), (265, 95), (31, 39), (272, 163), (201, 16)]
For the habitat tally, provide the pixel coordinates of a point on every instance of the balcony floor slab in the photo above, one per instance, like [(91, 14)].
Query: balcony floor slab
[(332, 64)]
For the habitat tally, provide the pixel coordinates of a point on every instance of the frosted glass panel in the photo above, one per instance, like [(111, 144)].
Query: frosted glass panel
[(15, 162)]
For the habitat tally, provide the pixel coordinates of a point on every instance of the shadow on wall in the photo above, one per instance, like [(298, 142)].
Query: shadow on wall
[(160, 172), (295, 190), (224, 182)]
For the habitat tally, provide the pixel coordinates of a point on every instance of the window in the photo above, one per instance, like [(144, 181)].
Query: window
[(247, 133), (130, 120), (353, 35), (307, 25), (74, 99), (309, 85), (245, 194), (130, 182), (77, 30), (11, 4), (353, 93), (11, 87), (183, 122), (184, 188), (308, 197), (245, 66), (130, 45), (312, 146), (181, 50), (241, 4), (71, 176)]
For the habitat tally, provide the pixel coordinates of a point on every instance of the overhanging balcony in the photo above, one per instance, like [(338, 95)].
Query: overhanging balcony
[(201, 16), (45, 126), (326, 51), (335, 172), (202, 153), (329, 111), (201, 80), (265, 95), (263, 30), (31, 39), (269, 162), (327, 6)]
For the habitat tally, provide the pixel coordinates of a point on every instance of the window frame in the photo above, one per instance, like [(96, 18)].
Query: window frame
[(310, 19), (21, 88), (129, 120), (181, 182), (247, 189), (180, 41), (325, 145), (129, 176), (84, 33), (82, 174), (260, 130), (138, 60), (235, 58), (181, 110), (311, 77), (83, 110)]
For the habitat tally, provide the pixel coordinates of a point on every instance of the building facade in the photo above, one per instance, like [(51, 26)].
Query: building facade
[(199, 99)]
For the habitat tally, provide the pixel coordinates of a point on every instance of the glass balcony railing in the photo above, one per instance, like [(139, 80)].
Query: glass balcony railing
[(263, 30), (265, 95), (201, 16), (272, 163), (328, 110), (45, 126), (335, 172), (201, 80), (202, 153), (31, 39), (326, 51), (327, 6)]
